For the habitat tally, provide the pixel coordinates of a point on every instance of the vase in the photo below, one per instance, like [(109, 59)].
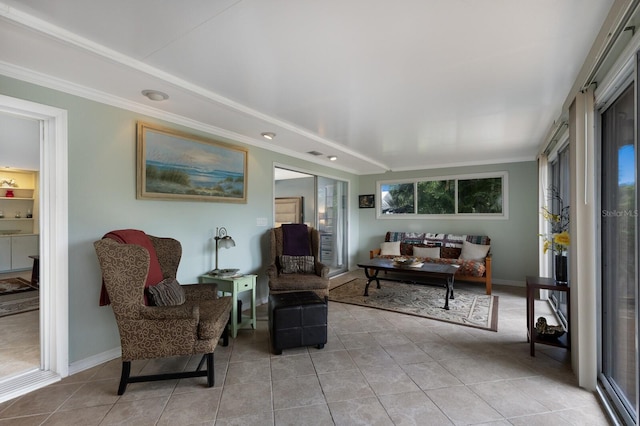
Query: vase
[(561, 269)]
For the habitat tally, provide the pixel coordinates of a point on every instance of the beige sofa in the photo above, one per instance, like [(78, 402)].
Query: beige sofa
[(475, 267)]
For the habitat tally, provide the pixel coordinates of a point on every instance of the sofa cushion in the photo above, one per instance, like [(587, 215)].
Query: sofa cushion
[(293, 282), (472, 268), (450, 252), (431, 252), (472, 251), (297, 264), (167, 292), (214, 315), (390, 248)]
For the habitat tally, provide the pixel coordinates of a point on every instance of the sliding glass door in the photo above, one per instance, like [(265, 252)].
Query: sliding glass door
[(619, 242), (332, 223)]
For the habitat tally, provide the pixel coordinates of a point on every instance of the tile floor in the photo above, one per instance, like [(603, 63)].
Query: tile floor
[(378, 368), (19, 337)]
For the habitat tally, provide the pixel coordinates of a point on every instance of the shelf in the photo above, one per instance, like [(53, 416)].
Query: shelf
[(15, 218), (15, 198), (541, 283)]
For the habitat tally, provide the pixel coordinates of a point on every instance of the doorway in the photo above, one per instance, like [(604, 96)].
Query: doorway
[(323, 205), (53, 251), (19, 235)]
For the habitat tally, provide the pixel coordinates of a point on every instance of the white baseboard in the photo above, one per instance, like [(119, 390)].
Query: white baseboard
[(509, 282), (94, 360)]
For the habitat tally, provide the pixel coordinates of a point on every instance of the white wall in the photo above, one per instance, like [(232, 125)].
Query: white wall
[(19, 142)]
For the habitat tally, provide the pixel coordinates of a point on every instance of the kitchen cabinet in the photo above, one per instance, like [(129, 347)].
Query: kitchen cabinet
[(15, 251)]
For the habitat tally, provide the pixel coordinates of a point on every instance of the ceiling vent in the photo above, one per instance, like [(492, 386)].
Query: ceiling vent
[(316, 153)]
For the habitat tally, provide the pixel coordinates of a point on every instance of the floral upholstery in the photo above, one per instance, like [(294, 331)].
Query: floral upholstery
[(450, 249), (279, 282), (147, 332)]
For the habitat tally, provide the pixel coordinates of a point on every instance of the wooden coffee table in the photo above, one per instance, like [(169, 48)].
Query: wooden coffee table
[(428, 270)]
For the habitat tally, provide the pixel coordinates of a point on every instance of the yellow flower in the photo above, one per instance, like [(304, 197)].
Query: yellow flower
[(546, 246), (562, 239)]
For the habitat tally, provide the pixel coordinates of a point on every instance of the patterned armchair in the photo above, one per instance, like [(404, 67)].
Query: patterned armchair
[(281, 280), (146, 332)]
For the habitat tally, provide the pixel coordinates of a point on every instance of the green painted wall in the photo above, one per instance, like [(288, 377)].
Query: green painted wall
[(102, 197), (514, 241)]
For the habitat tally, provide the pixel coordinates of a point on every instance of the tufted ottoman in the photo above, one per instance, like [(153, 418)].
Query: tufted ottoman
[(297, 319)]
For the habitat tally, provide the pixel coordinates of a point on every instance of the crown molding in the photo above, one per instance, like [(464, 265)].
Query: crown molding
[(67, 37)]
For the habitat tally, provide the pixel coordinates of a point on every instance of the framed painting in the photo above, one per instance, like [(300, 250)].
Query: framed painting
[(173, 165), (367, 201)]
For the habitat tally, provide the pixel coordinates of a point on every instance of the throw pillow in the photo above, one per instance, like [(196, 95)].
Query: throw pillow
[(390, 249), (432, 252), (167, 292), (297, 264), (472, 251)]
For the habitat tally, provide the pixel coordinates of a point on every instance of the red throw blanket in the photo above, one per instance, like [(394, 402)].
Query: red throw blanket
[(134, 236)]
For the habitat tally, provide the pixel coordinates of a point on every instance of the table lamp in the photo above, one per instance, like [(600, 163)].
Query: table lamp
[(222, 241)]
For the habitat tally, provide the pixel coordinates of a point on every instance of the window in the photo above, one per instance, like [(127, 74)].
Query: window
[(397, 198), (452, 196), (437, 197)]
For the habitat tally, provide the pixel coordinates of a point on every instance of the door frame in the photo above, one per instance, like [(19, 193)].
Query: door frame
[(54, 255)]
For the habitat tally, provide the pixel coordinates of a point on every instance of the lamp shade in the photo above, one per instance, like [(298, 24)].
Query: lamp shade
[(226, 242)]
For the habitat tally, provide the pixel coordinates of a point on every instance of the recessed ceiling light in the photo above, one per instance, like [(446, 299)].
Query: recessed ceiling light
[(332, 157), (268, 135), (155, 95)]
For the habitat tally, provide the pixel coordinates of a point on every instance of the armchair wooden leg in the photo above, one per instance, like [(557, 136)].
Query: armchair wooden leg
[(225, 333), (210, 372), (124, 376)]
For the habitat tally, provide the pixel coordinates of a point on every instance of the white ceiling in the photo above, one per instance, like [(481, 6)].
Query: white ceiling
[(384, 85)]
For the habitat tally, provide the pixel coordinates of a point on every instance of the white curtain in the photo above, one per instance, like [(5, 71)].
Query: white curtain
[(544, 268)]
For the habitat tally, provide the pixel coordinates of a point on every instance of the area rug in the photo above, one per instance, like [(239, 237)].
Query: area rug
[(468, 309), (12, 306), (15, 285)]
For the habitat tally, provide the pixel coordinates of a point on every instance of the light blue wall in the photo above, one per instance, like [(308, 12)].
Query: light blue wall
[(102, 173), (102, 197), (514, 241)]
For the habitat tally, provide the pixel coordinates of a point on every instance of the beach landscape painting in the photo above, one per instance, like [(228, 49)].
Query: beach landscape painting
[(175, 165)]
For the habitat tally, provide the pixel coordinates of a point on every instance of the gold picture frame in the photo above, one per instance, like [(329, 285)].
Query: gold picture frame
[(173, 165)]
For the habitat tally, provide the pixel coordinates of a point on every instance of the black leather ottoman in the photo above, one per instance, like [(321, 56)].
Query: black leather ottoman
[(297, 319)]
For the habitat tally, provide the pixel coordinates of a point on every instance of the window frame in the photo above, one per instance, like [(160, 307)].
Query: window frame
[(504, 215)]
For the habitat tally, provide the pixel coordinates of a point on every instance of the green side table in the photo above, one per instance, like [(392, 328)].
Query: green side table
[(234, 286)]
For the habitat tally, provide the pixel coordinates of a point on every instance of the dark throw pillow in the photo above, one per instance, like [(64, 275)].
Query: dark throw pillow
[(297, 264), (167, 292)]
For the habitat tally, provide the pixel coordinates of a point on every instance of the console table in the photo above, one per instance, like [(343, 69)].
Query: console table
[(542, 283), (234, 286)]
